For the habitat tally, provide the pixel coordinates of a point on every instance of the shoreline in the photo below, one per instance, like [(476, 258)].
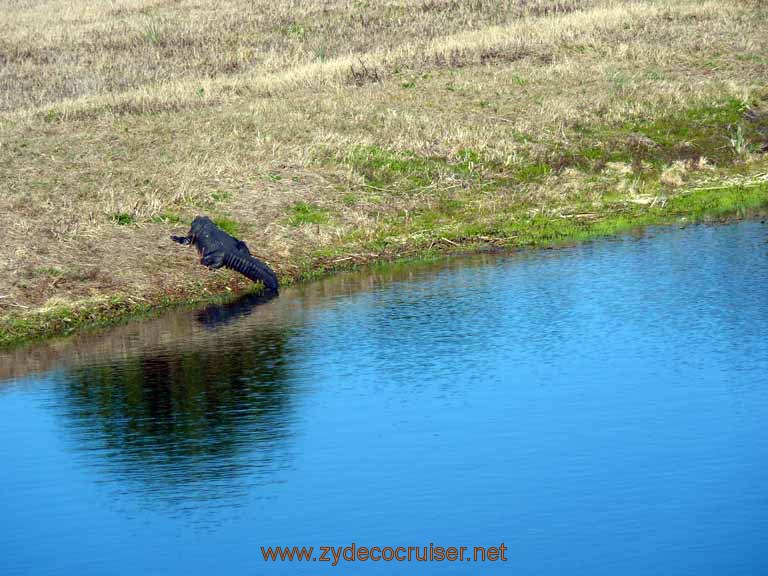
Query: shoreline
[(712, 204), (336, 137)]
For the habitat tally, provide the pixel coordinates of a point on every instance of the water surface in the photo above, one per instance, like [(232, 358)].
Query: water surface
[(601, 409)]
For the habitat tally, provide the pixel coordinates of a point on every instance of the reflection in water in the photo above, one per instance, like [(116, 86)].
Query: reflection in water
[(201, 416), (245, 313), (216, 315)]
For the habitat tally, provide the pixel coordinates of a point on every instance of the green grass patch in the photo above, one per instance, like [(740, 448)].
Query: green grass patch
[(294, 30), (123, 219), (533, 172), (350, 200), (520, 226), (220, 195), (382, 168), (47, 271), (401, 172), (306, 213), (228, 225), (702, 131), (718, 132), (693, 206), (166, 218)]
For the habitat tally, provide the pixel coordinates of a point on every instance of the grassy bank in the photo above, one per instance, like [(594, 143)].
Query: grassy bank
[(335, 135), (715, 204)]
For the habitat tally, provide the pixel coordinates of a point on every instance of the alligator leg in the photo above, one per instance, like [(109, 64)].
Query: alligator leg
[(184, 240), (215, 260)]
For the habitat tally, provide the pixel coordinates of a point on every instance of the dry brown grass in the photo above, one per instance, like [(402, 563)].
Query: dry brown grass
[(82, 49), (120, 121)]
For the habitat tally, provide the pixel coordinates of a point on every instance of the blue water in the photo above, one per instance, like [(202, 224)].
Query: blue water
[(601, 409)]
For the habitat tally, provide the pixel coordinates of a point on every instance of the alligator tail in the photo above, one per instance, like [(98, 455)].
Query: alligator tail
[(252, 268)]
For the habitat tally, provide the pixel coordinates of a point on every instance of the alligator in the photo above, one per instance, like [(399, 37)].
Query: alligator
[(217, 249)]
